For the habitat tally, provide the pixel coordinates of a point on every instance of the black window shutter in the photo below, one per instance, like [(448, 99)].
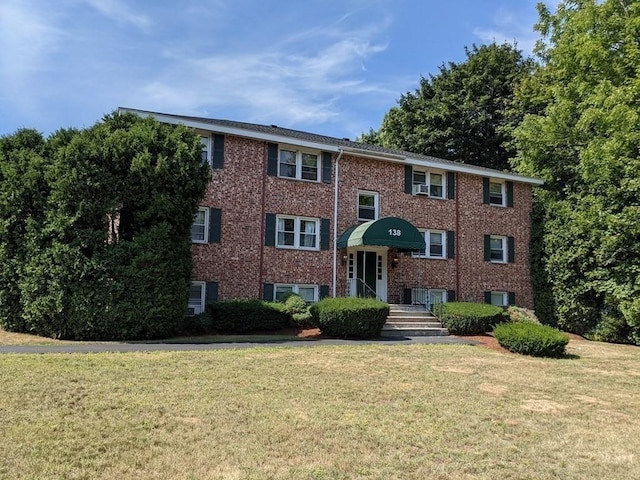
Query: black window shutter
[(512, 298), (324, 233), (485, 191), (451, 185), (408, 179), (267, 292), (218, 151), (272, 159), (270, 230), (406, 296), (211, 294), (509, 194), (324, 291), (487, 248), (451, 245), (511, 249), (451, 295), (487, 297), (215, 225), (326, 167)]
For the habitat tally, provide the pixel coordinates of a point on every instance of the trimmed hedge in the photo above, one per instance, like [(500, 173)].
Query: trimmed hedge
[(239, 316), (466, 318), (532, 339), (350, 317), (196, 325)]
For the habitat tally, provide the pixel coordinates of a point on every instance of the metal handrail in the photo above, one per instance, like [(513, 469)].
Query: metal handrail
[(368, 287)]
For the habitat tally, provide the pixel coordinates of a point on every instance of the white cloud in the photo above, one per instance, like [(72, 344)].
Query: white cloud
[(273, 84), (508, 29), (28, 39), (120, 12), (510, 26)]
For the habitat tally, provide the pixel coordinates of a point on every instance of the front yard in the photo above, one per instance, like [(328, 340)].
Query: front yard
[(375, 412)]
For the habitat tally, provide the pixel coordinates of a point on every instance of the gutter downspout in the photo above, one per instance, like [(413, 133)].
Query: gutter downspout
[(335, 222)]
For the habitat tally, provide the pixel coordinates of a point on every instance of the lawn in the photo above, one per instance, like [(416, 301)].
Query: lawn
[(10, 338), (370, 412)]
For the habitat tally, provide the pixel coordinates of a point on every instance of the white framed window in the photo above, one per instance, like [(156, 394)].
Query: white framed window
[(498, 249), (309, 293), (200, 226), (297, 232), (432, 296), (367, 205), (437, 296), (299, 164), (196, 298), (431, 183), (205, 140), (500, 299), (497, 195), (436, 245)]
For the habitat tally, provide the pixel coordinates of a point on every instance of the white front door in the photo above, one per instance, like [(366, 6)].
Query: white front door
[(367, 272)]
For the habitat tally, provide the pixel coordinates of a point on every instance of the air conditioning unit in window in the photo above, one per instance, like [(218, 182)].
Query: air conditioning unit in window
[(421, 189), (191, 311)]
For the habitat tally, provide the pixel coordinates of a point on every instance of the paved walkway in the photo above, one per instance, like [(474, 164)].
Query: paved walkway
[(157, 347)]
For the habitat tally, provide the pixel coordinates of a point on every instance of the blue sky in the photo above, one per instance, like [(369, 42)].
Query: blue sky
[(333, 67)]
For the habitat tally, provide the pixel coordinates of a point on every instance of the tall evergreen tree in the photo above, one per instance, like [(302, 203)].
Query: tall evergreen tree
[(23, 196), (100, 243)]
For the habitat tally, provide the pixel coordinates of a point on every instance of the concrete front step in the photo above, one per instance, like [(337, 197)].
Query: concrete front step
[(412, 321), (392, 331), (407, 308), (405, 324), (411, 317)]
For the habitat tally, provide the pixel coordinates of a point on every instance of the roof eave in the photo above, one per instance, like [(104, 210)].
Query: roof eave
[(390, 157)]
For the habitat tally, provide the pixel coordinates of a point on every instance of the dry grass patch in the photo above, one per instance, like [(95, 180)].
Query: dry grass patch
[(10, 338), (370, 412)]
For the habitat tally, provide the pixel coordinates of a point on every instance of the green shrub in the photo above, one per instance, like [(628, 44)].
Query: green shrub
[(532, 339), (303, 320), (613, 329), (522, 315), (197, 324), (239, 316), (295, 304), (350, 317), (466, 318)]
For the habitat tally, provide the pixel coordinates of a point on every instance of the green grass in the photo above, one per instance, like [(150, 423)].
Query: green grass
[(207, 339), (368, 412), (10, 338)]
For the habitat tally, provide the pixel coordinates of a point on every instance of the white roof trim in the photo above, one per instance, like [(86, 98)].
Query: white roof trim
[(470, 169), (452, 167), (232, 131)]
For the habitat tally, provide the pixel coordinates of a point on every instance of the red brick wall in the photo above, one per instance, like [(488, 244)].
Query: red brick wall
[(237, 190), (241, 264)]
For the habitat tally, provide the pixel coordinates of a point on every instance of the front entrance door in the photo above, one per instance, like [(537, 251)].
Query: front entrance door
[(367, 273), (366, 269)]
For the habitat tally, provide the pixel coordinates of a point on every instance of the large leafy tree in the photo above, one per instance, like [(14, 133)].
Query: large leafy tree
[(100, 245), (581, 134), (460, 112)]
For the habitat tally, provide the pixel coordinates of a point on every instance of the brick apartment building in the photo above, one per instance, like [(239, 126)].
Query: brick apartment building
[(290, 211)]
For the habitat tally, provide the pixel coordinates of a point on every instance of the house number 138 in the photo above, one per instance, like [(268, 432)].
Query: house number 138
[(394, 232)]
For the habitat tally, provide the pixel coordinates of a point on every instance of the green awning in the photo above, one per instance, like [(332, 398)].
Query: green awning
[(386, 232)]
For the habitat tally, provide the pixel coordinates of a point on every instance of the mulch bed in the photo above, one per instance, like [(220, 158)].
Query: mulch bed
[(485, 340)]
